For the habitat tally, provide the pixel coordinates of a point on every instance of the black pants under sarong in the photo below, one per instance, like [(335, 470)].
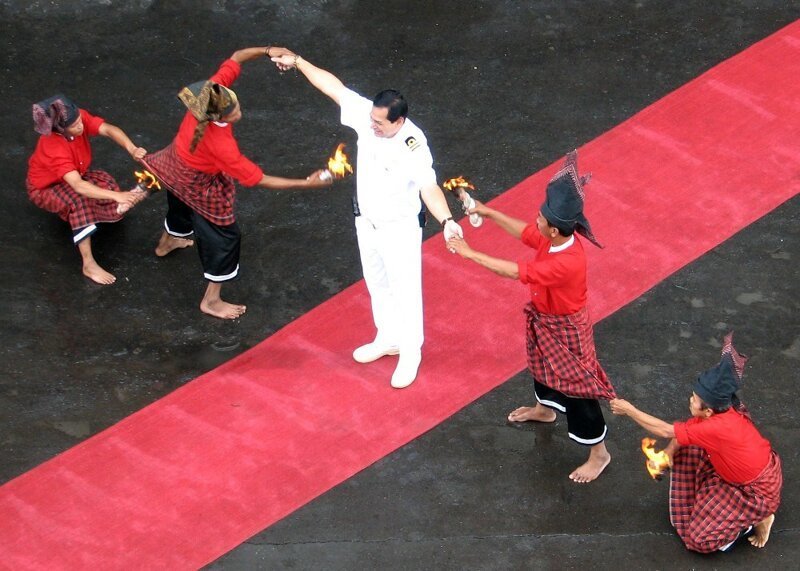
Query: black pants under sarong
[(585, 422), (218, 246)]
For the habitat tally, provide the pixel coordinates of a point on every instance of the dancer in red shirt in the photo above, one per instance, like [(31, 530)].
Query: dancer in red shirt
[(198, 170), (726, 479), (60, 179), (561, 352)]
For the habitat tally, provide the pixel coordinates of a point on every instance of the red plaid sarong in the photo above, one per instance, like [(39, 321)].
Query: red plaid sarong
[(561, 354), (80, 211), (707, 512), (210, 195)]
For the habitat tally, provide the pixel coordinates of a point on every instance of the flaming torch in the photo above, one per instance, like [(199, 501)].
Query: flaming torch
[(657, 462), (338, 167), (458, 187), (147, 181), (146, 184)]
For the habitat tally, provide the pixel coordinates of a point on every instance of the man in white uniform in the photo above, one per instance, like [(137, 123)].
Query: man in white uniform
[(394, 170)]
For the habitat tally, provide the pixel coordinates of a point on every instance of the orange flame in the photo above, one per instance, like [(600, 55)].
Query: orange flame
[(657, 462), (458, 186), (457, 183), (338, 165), (147, 179)]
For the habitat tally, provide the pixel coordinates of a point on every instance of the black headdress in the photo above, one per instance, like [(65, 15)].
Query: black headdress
[(563, 205), (54, 114), (717, 386)]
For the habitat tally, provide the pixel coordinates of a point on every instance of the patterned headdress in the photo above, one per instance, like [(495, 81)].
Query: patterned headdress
[(717, 386), (563, 205), (207, 101), (54, 114)]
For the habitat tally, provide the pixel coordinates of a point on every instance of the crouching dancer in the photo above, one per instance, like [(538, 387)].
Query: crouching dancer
[(60, 180), (726, 478), (198, 170), (561, 353)]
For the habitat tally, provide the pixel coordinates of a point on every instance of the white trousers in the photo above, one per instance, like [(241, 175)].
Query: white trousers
[(391, 259)]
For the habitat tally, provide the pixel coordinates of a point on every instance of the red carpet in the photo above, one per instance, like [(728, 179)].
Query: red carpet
[(188, 478)]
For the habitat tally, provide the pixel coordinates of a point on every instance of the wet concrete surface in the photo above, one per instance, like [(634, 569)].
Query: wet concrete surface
[(501, 89)]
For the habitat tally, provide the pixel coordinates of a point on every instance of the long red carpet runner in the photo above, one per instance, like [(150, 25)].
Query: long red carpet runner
[(188, 478)]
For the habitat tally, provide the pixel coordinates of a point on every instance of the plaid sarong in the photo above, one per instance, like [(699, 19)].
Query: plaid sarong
[(212, 196), (708, 512), (80, 211), (561, 354)]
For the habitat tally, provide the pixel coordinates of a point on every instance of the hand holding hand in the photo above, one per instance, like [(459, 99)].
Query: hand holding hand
[(284, 58), (458, 245), (451, 230)]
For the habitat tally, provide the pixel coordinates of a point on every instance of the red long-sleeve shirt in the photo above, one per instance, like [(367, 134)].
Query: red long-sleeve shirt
[(735, 448), (55, 155), (217, 151), (557, 279)]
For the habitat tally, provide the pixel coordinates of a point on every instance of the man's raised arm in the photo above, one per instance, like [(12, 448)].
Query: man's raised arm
[(323, 80)]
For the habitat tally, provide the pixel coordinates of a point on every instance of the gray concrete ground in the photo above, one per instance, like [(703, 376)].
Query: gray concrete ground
[(502, 89)]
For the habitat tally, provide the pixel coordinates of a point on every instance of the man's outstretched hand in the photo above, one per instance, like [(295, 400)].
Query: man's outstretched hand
[(284, 58)]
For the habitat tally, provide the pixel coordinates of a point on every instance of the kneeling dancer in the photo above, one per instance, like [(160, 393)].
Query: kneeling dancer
[(561, 353), (726, 478), (198, 170), (60, 180)]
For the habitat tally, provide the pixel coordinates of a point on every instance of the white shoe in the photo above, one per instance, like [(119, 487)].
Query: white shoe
[(374, 351), (406, 371)]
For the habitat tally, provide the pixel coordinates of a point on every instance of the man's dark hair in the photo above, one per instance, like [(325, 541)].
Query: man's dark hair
[(394, 101), (735, 403), (564, 231)]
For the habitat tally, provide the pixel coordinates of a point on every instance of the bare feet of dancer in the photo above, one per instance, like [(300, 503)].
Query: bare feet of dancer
[(538, 413), (91, 269), (761, 532), (213, 305), (94, 272), (168, 243), (599, 458)]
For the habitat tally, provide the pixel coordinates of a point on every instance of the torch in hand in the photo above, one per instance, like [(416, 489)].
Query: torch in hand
[(338, 167), (458, 186), (146, 184), (657, 462)]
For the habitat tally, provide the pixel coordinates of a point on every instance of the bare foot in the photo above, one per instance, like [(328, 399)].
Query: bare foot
[(593, 467), (761, 531), (538, 413), (168, 243), (222, 309), (94, 272)]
